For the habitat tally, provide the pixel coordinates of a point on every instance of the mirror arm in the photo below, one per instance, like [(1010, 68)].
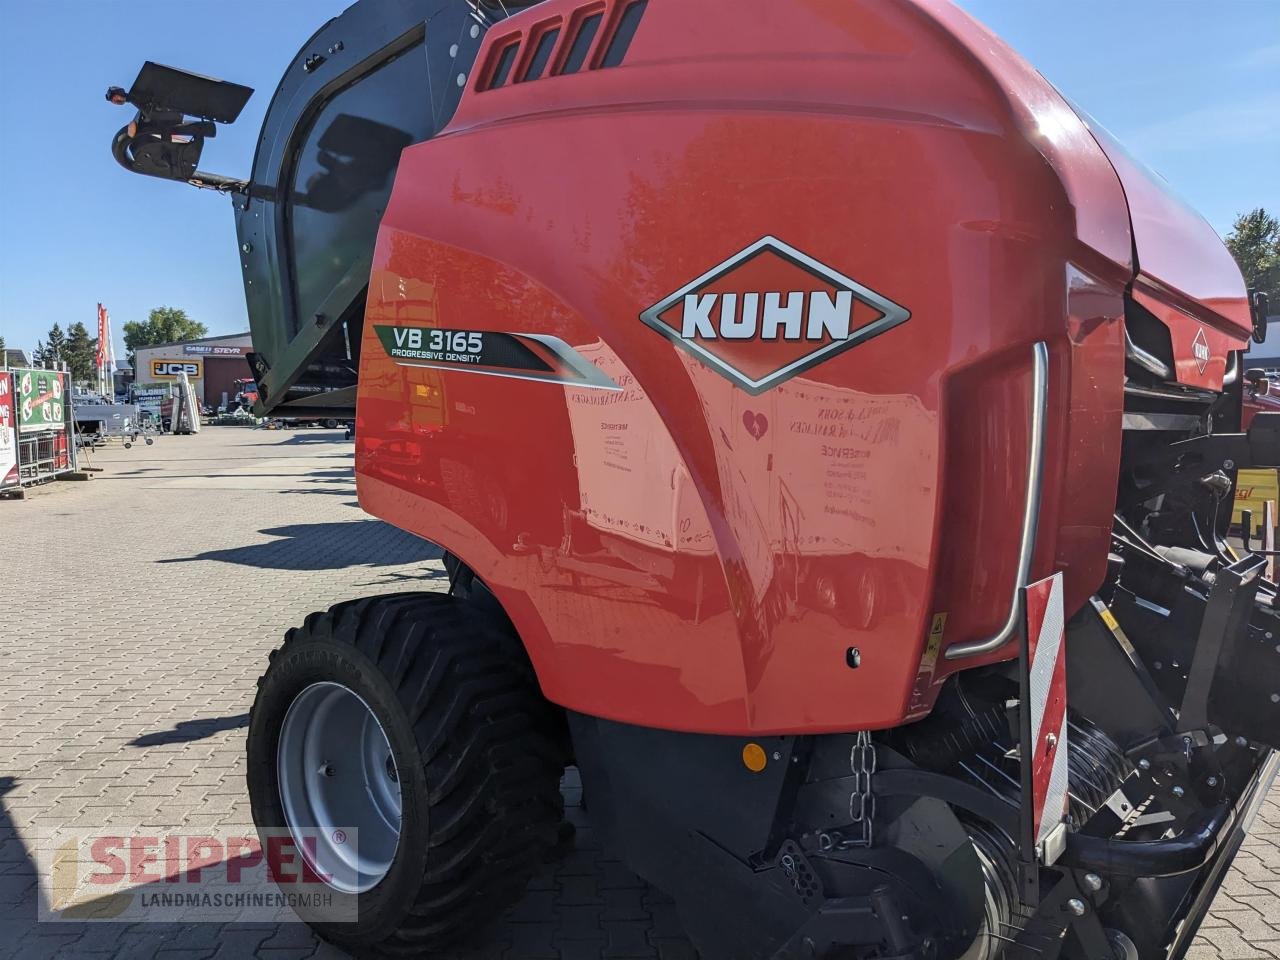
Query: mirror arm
[(216, 181)]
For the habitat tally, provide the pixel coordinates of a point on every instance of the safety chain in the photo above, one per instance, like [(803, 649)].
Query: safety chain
[(862, 802)]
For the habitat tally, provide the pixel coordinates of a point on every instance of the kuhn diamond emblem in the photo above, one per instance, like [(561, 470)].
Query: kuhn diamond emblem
[(1200, 349), (770, 312)]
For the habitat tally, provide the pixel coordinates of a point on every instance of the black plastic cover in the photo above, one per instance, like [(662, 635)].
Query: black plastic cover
[(158, 87)]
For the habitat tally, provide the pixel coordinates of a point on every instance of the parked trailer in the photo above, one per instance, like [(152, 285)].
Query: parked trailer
[(106, 420)]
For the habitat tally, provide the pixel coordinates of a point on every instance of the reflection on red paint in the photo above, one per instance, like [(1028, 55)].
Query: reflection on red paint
[(680, 552)]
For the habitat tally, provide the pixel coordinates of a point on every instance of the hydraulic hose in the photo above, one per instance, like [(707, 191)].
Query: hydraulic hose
[(1188, 851)]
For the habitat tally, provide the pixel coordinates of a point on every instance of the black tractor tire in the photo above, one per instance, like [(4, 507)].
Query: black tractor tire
[(478, 749)]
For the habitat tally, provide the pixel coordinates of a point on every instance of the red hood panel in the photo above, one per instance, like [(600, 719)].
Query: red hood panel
[(1181, 259)]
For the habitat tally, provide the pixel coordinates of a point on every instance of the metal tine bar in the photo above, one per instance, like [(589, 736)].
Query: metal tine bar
[(1031, 933), (1021, 946), (998, 770), (966, 769), (1084, 803)]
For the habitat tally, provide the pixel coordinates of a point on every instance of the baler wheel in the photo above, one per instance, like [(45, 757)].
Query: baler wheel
[(473, 762)]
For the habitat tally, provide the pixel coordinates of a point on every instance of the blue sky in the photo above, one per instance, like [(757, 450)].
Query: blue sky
[(1191, 86)]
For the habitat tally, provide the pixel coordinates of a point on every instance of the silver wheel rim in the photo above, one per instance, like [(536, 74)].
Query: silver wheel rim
[(337, 775)]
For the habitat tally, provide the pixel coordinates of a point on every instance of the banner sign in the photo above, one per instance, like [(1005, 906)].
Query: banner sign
[(8, 438), (105, 357), (40, 398), (208, 350), (169, 369), (100, 355)]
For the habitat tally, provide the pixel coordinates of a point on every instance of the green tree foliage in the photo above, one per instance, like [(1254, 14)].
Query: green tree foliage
[(81, 353), (37, 355), (163, 325), (55, 345), (1255, 243)]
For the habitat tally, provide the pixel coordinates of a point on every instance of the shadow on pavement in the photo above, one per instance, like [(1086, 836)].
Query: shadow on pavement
[(185, 731), (434, 573), (19, 886), (17, 870), (311, 492), (326, 546), (323, 436)]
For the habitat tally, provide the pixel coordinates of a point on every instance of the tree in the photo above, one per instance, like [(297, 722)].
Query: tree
[(55, 347), (81, 353), (37, 355), (1255, 243), (163, 325)]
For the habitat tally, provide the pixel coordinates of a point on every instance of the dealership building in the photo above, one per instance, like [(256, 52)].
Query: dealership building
[(213, 365)]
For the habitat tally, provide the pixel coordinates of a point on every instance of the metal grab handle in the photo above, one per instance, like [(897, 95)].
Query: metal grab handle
[(1030, 508)]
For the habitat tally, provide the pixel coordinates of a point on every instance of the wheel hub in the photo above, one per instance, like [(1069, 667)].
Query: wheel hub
[(339, 786)]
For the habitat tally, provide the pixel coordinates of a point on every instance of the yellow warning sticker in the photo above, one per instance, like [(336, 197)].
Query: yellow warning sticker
[(936, 630), (937, 627), (1109, 618)]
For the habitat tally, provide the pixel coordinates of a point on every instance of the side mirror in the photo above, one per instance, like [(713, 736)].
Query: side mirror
[(1258, 382), (1259, 306), (177, 111)]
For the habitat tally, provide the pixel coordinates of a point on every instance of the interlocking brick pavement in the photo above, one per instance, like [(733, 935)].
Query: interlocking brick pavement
[(133, 629), (137, 613)]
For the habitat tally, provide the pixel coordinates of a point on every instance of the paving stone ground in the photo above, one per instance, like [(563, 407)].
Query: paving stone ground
[(136, 612)]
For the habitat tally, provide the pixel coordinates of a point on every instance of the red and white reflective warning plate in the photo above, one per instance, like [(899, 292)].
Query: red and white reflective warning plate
[(1047, 705)]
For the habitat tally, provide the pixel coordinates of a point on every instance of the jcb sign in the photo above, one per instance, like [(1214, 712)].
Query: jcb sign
[(169, 369)]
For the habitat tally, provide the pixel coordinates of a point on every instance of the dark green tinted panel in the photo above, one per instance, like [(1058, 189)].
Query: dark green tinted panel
[(541, 54), (344, 173), (581, 44), (506, 60), (621, 41)]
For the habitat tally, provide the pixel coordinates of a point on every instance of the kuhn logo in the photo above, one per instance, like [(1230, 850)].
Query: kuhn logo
[(1200, 349), (770, 312)]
